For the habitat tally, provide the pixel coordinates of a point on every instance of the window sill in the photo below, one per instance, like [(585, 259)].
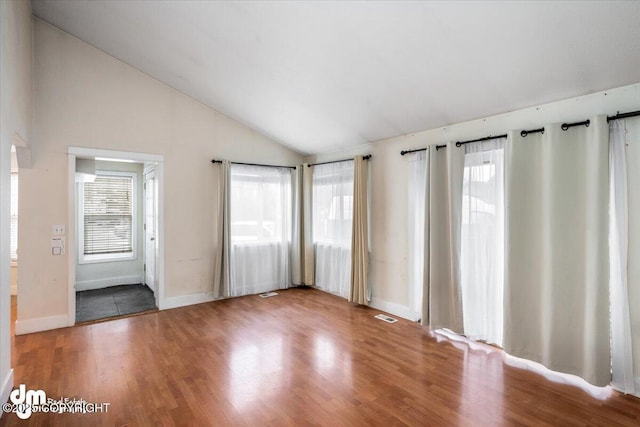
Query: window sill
[(96, 259)]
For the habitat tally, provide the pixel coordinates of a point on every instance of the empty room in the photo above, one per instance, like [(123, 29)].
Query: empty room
[(336, 213)]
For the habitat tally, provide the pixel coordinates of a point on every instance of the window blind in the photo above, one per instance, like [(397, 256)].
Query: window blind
[(14, 216), (108, 215)]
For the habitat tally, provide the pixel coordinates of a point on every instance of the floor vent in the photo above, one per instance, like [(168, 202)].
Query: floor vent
[(385, 318), (268, 294)]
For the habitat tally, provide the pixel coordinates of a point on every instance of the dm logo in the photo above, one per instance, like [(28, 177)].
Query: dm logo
[(25, 400)]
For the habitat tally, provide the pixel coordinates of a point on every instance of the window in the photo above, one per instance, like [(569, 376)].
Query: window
[(333, 203), (260, 204), (260, 228), (416, 196), (107, 229), (482, 243), (14, 217), (332, 214)]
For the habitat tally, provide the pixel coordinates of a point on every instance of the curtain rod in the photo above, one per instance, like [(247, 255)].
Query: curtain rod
[(527, 132), (403, 152), (367, 157), (619, 116), (458, 144), (255, 164), (524, 133), (566, 126)]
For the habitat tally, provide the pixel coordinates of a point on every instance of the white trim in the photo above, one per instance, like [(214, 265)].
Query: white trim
[(91, 153), (7, 385), (184, 300), (393, 308), (72, 227), (159, 285), (127, 256), (87, 285), (40, 324)]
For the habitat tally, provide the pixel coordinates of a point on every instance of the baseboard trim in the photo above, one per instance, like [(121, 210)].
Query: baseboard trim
[(88, 285), (40, 324), (7, 386), (184, 300), (393, 308)]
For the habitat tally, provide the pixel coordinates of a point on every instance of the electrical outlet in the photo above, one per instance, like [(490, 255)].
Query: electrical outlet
[(58, 230)]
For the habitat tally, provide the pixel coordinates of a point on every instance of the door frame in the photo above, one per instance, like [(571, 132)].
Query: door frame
[(150, 170), (71, 244)]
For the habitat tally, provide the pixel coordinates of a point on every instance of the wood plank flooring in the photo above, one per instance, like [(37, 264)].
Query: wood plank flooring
[(303, 357)]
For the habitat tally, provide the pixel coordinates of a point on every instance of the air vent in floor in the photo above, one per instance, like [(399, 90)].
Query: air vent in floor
[(385, 318), (268, 294)]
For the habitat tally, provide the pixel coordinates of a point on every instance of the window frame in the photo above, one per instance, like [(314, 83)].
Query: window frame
[(99, 258)]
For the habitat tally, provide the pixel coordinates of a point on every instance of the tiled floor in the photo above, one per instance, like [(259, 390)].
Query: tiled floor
[(113, 301)]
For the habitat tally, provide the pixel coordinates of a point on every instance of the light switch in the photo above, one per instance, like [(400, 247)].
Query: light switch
[(58, 230)]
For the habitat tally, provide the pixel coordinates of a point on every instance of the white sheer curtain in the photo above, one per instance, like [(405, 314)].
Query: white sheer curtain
[(482, 241), (557, 257), (625, 376), (417, 195), (260, 229), (332, 222)]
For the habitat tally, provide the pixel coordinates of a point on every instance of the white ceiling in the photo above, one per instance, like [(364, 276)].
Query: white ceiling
[(319, 76)]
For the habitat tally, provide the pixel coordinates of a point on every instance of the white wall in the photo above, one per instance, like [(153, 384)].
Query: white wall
[(102, 274), (389, 275), (15, 120), (86, 98)]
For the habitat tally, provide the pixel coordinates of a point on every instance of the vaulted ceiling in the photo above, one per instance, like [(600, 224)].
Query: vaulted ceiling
[(320, 76)]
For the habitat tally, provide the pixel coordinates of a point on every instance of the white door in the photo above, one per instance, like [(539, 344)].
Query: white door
[(150, 224)]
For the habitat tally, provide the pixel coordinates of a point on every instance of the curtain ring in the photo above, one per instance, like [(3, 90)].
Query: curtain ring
[(524, 133), (458, 144), (564, 126)]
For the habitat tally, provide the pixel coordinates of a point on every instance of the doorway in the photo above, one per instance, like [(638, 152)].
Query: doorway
[(115, 239)]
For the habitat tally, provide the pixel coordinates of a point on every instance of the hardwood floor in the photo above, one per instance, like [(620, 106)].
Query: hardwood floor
[(304, 357)]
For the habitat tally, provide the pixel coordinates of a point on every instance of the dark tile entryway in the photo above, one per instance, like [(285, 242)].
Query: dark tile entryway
[(113, 301)]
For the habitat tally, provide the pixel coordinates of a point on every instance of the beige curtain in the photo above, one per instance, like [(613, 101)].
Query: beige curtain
[(442, 296), (297, 242), (359, 292), (222, 262), (301, 252), (556, 247), (307, 256)]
